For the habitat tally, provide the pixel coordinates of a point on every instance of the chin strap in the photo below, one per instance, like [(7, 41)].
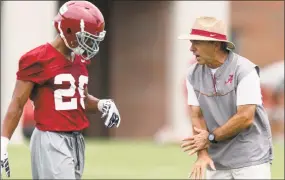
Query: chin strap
[(78, 50), (62, 35)]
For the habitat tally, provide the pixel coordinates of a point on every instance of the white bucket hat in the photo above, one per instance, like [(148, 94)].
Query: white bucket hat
[(208, 29)]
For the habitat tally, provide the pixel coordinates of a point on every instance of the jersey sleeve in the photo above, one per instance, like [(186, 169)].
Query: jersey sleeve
[(30, 69)]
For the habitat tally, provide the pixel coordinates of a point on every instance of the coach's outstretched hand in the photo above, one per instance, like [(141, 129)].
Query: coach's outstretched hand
[(110, 112), (196, 142), (4, 156), (199, 168)]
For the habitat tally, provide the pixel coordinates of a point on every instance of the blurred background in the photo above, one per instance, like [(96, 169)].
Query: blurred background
[(142, 66)]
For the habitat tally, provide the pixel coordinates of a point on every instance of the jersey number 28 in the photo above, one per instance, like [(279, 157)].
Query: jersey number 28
[(60, 93)]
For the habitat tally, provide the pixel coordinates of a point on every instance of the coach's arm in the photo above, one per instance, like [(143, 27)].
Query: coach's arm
[(203, 159), (243, 119), (248, 96), (197, 121)]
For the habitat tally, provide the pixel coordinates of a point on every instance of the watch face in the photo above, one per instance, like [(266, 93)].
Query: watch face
[(211, 137)]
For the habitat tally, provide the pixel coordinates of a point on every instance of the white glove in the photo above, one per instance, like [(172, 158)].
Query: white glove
[(110, 112), (4, 156)]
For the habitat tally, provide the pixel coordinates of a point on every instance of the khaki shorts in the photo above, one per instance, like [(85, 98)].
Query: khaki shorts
[(261, 171)]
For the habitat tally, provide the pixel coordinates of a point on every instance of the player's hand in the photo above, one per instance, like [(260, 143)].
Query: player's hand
[(199, 168), (196, 142), (109, 112), (4, 156)]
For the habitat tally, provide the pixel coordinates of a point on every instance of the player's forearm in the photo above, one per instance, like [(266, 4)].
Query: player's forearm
[(233, 126), (91, 104), (11, 119), (20, 96)]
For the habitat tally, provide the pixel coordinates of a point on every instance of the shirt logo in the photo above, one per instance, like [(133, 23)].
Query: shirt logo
[(230, 79)]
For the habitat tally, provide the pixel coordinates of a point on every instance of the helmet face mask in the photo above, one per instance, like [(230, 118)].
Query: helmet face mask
[(88, 44), (81, 26)]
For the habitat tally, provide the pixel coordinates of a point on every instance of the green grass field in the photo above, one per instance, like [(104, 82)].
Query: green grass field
[(130, 160)]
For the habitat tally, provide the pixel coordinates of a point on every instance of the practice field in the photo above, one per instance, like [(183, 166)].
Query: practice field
[(129, 160)]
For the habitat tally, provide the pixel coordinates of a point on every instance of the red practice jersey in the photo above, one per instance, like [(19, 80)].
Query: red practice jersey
[(58, 94)]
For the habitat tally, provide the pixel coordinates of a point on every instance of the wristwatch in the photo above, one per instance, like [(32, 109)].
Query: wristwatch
[(211, 138)]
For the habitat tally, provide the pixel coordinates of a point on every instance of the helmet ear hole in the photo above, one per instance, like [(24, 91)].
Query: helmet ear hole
[(68, 30)]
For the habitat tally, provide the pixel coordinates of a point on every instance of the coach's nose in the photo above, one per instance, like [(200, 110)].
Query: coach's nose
[(192, 47)]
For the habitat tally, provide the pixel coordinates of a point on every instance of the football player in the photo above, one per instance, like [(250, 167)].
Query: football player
[(54, 76)]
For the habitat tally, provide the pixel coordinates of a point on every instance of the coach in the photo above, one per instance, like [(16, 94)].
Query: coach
[(231, 130)]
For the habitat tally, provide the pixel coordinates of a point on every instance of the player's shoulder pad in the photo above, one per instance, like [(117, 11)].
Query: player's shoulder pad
[(32, 57)]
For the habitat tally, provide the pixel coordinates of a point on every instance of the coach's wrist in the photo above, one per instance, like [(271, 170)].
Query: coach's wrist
[(202, 153), (4, 143)]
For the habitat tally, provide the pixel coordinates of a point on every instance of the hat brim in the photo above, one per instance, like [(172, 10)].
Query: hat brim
[(230, 45)]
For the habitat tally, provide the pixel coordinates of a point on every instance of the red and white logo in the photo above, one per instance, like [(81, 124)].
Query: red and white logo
[(230, 79)]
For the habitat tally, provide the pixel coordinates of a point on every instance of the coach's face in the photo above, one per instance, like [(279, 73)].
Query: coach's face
[(204, 51)]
